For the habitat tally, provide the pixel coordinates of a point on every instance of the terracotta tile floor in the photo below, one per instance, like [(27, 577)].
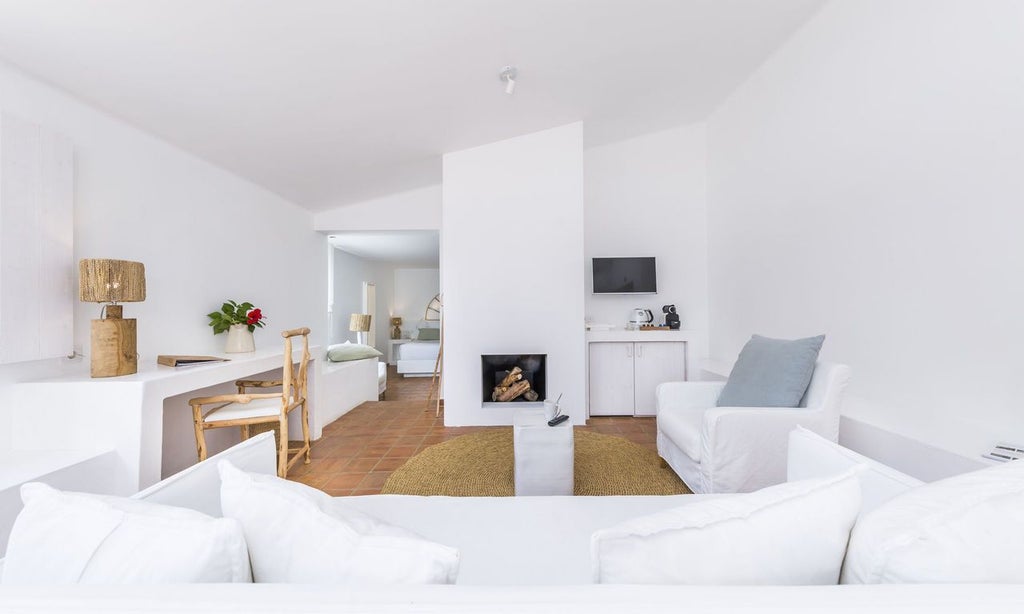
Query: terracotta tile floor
[(359, 451)]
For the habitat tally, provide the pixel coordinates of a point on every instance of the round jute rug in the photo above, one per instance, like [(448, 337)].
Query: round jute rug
[(480, 465)]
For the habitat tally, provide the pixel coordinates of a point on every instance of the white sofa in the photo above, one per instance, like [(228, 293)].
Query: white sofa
[(740, 449), (523, 554)]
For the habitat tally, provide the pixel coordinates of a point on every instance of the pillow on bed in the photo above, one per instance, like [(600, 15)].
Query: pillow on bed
[(429, 334), (351, 351)]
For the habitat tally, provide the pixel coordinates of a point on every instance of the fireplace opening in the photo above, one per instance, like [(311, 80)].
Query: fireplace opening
[(513, 378)]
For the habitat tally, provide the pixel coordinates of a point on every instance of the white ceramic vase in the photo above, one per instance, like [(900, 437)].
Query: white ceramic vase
[(240, 339)]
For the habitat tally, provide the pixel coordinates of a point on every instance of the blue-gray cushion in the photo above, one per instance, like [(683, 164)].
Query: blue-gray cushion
[(771, 372), (351, 351)]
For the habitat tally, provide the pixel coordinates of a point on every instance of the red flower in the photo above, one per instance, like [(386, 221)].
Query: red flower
[(254, 317)]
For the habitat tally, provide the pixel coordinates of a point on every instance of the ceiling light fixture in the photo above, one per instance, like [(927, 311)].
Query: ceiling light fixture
[(508, 74)]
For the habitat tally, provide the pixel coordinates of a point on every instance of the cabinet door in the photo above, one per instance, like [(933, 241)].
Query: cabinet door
[(656, 362), (611, 379)]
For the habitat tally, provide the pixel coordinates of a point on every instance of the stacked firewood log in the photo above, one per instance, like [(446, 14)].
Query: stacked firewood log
[(513, 386)]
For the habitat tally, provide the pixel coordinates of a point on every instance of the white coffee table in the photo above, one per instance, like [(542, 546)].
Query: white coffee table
[(543, 454)]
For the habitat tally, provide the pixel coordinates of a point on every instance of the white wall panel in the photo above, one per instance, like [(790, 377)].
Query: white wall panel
[(36, 234)]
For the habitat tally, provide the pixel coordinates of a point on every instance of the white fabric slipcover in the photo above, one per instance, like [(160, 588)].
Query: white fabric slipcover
[(740, 449), (813, 456), (299, 534), (78, 538), (793, 533), (968, 528), (566, 599)]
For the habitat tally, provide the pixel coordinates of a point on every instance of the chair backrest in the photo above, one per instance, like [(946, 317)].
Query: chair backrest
[(294, 382), (825, 393)]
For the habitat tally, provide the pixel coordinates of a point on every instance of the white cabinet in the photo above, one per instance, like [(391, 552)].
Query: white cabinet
[(611, 379), (655, 363), (623, 374)]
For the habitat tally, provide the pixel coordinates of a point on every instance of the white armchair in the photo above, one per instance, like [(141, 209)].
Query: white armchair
[(740, 449)]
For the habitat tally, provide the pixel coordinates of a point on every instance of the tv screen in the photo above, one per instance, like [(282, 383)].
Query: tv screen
[(625, 276)]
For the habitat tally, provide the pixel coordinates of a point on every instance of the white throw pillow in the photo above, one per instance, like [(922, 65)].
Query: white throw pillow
[(968, 528), (76, 538), (299, 534), (794, 533)]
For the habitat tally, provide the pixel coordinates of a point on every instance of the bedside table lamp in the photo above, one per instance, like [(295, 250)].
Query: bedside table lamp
[(359, 323), (112, 339), (396, 328)]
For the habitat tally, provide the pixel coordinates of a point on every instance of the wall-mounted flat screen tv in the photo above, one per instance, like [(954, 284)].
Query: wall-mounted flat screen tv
[(625, 276)]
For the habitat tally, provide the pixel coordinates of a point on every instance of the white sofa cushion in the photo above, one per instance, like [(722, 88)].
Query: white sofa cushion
[(968, 528), (299, 534), (813, 456), (68, 538), (794, 533), (523, 541)]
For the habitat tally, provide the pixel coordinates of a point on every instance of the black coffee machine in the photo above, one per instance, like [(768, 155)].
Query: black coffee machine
[(671, 317)]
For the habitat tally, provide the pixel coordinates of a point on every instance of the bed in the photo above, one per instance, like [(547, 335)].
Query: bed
[(418, 358)]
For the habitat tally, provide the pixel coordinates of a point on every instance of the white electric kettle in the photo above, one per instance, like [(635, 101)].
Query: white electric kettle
[(640, 317)]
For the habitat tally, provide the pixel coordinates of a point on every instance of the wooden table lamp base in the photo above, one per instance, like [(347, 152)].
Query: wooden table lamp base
[(113, 345)]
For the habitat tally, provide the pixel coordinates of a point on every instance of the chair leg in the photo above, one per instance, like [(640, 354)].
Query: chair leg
[(282, 454), (305, 430), (197, 421)]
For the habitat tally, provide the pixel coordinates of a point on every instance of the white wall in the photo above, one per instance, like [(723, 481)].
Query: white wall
[(349, 274), (512, 256), (414, 289), (418, 209), (204, 234), (646, 196), (866, 183)]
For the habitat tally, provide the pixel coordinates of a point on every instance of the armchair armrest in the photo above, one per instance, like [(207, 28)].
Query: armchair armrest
[(687, 395), (745, 448)]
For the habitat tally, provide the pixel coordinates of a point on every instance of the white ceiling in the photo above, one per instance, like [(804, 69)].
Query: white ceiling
[(412, 247), (332, 101)]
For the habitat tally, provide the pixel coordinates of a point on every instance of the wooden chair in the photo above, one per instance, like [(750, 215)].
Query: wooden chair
[(247, 409)]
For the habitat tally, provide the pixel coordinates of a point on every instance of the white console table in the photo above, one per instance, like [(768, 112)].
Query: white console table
[(126, 414), (625, 367)]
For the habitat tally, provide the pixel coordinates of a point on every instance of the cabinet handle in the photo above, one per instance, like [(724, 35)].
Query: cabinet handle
[(629, 350), (639, 350)]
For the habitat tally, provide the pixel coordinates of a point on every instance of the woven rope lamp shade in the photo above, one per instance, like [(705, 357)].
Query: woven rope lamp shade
[(113, 339), (359, 323)]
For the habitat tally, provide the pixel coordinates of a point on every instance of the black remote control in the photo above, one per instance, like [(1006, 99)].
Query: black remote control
[(558, 420)]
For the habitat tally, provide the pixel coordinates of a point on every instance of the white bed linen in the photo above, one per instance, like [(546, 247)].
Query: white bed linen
[(419, 350), (595, 599)]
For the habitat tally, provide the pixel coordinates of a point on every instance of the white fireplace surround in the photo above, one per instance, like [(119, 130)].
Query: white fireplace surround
[(512, 263)]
